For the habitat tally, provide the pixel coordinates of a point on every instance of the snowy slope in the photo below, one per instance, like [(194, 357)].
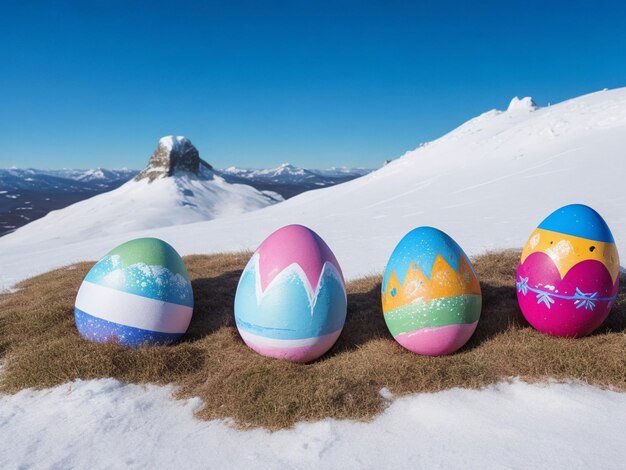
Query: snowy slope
[(29, 194), (175, 188), (106, 424), (140, 205), (487, 183)]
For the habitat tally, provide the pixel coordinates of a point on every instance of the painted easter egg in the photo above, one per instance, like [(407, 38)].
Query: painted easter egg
[(291, 299), (430, 294), (138, 293), (568, 275)]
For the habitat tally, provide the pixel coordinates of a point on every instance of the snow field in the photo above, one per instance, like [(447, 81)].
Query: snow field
[(107, 424)]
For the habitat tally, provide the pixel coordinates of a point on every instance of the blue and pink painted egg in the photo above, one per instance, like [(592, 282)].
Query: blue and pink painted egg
[(139, 293), (568, 275), (430, 294), (291, 299)]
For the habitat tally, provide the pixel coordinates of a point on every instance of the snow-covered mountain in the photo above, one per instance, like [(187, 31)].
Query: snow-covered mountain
[(65, 180), (487, 183), (284, 173), (176, 188), (287, 173), (76, 180), (99, 174), (289, 180), (29, 194)]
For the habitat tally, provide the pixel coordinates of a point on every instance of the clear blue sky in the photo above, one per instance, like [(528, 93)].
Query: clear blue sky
[(315, 83)]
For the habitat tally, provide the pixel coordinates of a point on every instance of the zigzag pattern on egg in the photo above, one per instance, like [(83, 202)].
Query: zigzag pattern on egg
[(294, 269), (291, 300), (442, 281), (305, 317), (430, 295)]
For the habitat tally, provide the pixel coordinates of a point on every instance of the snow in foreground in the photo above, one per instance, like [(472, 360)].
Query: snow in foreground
[(107, 424)]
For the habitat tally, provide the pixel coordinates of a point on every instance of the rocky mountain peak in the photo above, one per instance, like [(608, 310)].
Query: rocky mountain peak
[(173, 154)]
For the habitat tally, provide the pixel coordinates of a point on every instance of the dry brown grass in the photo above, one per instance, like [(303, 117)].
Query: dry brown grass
[(41, 348)]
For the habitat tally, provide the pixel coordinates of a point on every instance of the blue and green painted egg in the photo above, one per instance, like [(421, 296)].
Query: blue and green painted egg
[(139, 293)]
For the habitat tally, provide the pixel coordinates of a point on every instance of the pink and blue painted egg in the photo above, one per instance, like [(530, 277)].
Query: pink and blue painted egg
[(568, 275), (291, 298), (139, 293)]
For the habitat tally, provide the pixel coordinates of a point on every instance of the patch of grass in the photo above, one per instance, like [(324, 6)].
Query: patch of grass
[(40, 347)]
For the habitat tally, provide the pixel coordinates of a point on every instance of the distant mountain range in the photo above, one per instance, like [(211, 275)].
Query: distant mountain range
[(65, 180), (29, 194), (288, 180)]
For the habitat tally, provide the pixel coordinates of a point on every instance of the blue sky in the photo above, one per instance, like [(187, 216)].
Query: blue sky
[(315, 83)]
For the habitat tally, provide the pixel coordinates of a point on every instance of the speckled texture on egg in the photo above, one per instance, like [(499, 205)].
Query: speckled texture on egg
[(138, 293), (430, 294), (568, 275)]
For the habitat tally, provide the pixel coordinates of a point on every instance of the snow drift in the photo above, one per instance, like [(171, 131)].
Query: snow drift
[(514, 425)]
